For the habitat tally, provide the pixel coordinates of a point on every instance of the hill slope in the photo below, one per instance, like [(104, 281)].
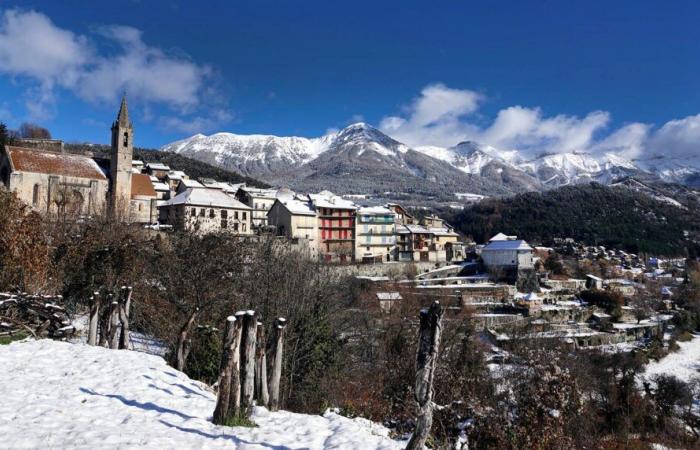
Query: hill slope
[(618, 216), (193, 167)]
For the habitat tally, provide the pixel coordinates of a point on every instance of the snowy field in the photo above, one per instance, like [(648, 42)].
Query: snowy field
[(683, 364), (63, 395)]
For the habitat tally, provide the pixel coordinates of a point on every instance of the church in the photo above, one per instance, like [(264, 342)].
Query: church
[(55, 182)]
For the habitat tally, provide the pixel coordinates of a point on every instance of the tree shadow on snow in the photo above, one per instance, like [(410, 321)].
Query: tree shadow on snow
[(145, 406), (181, 386), (236, 440)]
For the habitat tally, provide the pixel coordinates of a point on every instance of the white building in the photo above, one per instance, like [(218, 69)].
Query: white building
[(507, 254), (260, 200), (375, 234), (206, 210)]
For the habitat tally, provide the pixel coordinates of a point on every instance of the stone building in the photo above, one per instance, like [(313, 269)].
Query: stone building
[(203, 210), (260, 200), (295, 217), (143, 207), (54, 182)]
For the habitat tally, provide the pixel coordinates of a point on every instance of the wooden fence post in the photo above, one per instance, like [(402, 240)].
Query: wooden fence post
[(124, 312), (426, 359), (250, 323), (276, 350), (235, 389), (114, 325), (94, 318), (261, 393), (229, 352), (105, 322)]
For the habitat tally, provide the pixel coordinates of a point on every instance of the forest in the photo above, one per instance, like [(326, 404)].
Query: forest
[(593, 213)]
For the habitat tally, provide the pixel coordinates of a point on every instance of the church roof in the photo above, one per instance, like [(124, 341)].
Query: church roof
[(141, 186), (64, 164)]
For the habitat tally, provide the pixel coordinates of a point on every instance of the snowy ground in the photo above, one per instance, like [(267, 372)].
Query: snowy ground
[(684, 363), (67, 395)]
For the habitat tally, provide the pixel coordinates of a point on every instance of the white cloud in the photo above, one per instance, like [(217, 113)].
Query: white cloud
[(97, 69), (678, 137), (435, 117), (196, 124), (443, 116)]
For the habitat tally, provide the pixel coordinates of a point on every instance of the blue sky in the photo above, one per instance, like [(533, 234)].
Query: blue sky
[(545, 75)]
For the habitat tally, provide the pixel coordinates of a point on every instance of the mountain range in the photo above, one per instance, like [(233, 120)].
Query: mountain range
[(360, 159)]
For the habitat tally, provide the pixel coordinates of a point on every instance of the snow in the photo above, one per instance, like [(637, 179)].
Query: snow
[(683, 364), (63, 395)]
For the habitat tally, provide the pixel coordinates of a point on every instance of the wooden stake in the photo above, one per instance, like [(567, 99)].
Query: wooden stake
[(124, 312), (276, 351), (94, 318), (426, 359), (250, 323), (114, 325), (261, 393), (235, 389), (221, 412)]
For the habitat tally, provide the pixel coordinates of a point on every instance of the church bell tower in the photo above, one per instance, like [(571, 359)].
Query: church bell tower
[(120, 164)]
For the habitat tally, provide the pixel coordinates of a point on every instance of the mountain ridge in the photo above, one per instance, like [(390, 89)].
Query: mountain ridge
[(371, 156)]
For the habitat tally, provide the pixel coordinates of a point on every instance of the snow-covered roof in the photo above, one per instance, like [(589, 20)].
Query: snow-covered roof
[(374, 211), (297, 205), (507, 245), (37, 161), (191, 183), (258, 192), (158, 166), (442, 231), (160, 186), (411, 229), (502, 237), (206, 197), (176, 175), (327, 199)]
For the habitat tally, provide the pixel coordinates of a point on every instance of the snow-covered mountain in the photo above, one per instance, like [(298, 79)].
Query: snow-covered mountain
[(360, 156)]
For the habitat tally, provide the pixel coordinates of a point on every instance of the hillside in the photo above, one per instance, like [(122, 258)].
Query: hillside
[(617, 216), (194, 168), (78, 396)]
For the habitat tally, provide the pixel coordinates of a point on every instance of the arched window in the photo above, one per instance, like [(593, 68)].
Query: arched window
[(126, 139)]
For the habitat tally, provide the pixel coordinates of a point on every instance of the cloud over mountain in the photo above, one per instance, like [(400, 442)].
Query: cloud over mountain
[(445, 116)]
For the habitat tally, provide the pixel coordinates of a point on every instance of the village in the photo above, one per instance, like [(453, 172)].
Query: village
[(506, 284)]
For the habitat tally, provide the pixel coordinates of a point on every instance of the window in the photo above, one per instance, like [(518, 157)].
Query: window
[(212, 213), (193, 212), (202, 212), (224, 218), (235, 215), (243, 227), (140, 207), (35, 195), (244, 214), (126, 139)]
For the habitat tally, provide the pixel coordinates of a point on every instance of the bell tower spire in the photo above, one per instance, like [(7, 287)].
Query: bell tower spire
[(120, 162)]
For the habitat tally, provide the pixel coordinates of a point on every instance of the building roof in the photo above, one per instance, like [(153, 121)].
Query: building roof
[(141, 186), (389, 296), (123, 116), (258, 192), (189, 183), (442, 231), (502, 237), (327, 199), (176, 175), (160, 186), (158, 166), (297, 205), (507, 245), (206, 197), (411, 229), (375, 211), (65, 164)]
